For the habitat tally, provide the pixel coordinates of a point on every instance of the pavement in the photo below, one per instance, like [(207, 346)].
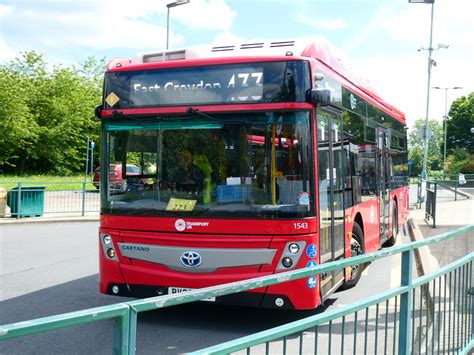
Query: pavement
[(450, 215), (57, 217)]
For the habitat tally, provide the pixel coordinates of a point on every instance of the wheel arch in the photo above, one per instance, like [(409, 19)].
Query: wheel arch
[(358, 219)]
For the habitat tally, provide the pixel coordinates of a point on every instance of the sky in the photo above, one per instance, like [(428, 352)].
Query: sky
[(378, 40)]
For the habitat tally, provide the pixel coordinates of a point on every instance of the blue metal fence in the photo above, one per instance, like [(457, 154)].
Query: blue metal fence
[(50, 198)]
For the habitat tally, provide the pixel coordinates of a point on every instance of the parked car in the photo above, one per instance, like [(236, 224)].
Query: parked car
[(115, 178)]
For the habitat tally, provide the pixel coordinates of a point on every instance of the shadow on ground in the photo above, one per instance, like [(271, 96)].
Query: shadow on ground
[(172, 330)]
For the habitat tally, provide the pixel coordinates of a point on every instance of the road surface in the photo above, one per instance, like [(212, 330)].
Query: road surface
[(51, 268)]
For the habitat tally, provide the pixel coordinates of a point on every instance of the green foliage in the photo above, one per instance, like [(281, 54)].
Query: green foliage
[(460, 122), (45, 114), (50, 182), (460, 161), (434, 159)]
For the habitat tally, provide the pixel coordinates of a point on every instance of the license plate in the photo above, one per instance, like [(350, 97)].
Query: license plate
[(176, 290)]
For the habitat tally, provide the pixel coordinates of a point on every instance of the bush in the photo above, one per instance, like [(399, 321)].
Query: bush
[(460, 162)]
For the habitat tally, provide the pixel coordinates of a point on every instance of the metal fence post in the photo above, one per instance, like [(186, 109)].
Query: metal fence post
[(132, 334), (456, 183), (405, 303), (18, 201), (418, 193), (433, 209), (121, 334), (83, 197)]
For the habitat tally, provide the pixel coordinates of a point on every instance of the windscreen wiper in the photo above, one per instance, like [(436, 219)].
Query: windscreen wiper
[(199, 113), (118, 114), (189, 110)]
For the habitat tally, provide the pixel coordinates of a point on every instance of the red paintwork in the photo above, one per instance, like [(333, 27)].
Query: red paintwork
[(204, 61), (145, 273), (228, 233), (212, 108), (369, 210), (335, 69), (401, 195), (215, 227)]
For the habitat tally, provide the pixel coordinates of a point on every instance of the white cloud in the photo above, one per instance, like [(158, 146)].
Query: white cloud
[(107, 24), (397, 80), (362, 34), (403, 81), (5, 10), (224, 38), (452, 23), (6, 53), (205, 14), (399, 72), (322, 24)]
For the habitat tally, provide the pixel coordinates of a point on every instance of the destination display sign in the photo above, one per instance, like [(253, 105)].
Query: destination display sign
[(218, 84)]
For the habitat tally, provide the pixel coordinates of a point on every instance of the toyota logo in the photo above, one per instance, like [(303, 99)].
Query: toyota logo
[(191, 259)]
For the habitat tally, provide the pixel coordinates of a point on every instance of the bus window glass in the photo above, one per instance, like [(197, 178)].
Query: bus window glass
[(235, 165)]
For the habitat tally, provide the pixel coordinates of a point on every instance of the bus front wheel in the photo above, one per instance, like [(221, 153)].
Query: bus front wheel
[(356, 249)]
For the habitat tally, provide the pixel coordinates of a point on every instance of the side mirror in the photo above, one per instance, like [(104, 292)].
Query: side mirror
[(98, 112), (319, 96)]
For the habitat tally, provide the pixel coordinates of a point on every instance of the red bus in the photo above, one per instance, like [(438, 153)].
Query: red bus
[(254, 159)]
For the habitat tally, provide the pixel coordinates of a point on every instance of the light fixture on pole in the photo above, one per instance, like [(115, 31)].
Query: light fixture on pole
[(170, 5), (445, 118)]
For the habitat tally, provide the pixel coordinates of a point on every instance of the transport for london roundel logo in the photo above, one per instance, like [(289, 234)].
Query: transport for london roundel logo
[(180, 225)]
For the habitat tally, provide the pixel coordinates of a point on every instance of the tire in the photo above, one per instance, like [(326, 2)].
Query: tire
[(356, 249), (393, 239)]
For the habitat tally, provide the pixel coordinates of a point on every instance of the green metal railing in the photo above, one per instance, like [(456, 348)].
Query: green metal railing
[(414, 310), (394, 332), (449, 186)]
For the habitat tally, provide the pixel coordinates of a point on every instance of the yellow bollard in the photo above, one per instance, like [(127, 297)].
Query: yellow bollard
[(3, 202)]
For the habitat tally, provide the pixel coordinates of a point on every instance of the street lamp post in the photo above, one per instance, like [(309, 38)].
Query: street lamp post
[(431, 62), (92, 160), (170, 5), (445, 118), (87, 157)]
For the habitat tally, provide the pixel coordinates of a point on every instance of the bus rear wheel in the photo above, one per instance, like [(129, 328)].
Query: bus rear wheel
[(356, 249)]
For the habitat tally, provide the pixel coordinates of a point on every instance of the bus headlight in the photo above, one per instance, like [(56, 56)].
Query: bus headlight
[(287, 262), (291, 255), (293, 248), (107, 239), (111, 253), (107, 244)]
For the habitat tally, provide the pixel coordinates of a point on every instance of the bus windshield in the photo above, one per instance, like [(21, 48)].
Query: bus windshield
[(238, 165)]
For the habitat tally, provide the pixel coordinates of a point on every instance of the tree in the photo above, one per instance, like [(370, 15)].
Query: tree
[(19, 84), (460, 161), (434, 159), (459, 124), (46, 114)]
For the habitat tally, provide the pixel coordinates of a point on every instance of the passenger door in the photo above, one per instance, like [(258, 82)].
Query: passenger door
[(331, 157), (383, 177)]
